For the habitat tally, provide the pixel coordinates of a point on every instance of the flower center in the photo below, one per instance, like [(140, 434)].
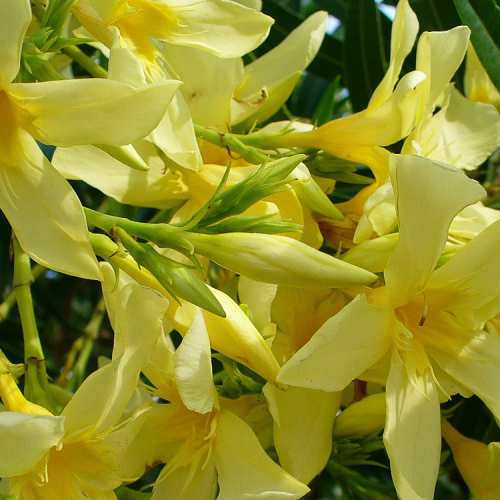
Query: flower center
[(9, 129), (138, 20)]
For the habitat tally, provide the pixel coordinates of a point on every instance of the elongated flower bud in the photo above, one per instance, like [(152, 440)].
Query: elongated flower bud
[(279, 260), (361, 418)]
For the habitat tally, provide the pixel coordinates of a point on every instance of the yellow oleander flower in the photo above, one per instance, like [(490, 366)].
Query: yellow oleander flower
[(76, 455), (424, 324), (202, 439), (40, 205)]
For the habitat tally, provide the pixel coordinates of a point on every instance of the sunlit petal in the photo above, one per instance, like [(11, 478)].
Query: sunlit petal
[(412, 434), (428, 196), (345, 346)]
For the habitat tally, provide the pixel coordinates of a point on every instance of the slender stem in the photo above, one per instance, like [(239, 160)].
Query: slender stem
[(36, 382), (22, 282), (85, 62), (10, 301)]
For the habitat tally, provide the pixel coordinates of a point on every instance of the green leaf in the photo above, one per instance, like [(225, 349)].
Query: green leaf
[(327, 64), (326, 107), (364, 56), (483, 18), (435, 15)]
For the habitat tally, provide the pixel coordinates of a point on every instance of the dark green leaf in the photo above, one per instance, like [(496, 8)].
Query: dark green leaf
[(364, 57), (326, 107), (483, 18), (435, 15), (328, 62)]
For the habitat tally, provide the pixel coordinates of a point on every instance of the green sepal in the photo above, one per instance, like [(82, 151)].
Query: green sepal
[(41, 69), (126, 155), (178, 279), (264, 224)]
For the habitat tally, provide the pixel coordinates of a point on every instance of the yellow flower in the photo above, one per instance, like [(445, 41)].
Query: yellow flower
[(76, 455), (424, 325), (40, 205)]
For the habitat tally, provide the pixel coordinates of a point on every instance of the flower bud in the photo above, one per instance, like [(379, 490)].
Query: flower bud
[(361, 418), (478, 463), (279, 260)]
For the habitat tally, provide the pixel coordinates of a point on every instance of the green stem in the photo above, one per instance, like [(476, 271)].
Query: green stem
[(85, 62), (10, 301), (36, 381), (236, 143), (91, 333), (22, 282)]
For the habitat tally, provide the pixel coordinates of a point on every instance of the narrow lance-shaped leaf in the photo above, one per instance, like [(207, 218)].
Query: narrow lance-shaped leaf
[(483, 18), (364, 57)]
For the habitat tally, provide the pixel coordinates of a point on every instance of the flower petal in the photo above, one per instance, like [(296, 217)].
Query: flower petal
[(472, 272), (439, 55), (345, 346), (477, 367), (14, 21), (404, 32), (45, 213), (221, 27), (155, 188), (291, 56), (428, 196), (91, 111), (412, 434), (244, 468), (208, 83), (184, 483), (193, 368), (303, 421), (25, 440), (101, 399)]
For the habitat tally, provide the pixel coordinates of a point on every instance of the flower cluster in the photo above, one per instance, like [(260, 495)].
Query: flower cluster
[(265, 332)]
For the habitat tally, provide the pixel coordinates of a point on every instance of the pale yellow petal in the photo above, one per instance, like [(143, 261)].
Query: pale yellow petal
[(25, 440), (345, 346), (185, 484), (470, 133), (14, 21), (257, 89), (412, 434), (45, 213), (138, 326), (373, 255), (193, 368), (221, 27), (477, 367), (236, 337), (244, 468), (428, 196), (404, 32), (477, 83), (303, 421), (175, 135), (208, 83), (258, 297), (155, 188), (472, 273), (439, 55), (91, 111)]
